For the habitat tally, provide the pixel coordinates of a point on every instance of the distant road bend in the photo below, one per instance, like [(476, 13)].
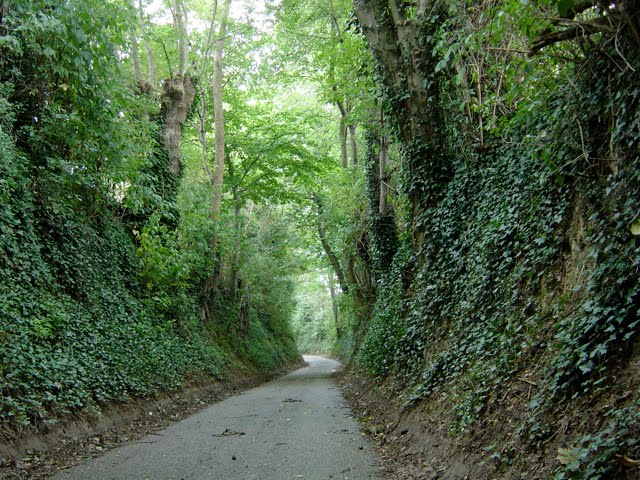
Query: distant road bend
[(295, 427)]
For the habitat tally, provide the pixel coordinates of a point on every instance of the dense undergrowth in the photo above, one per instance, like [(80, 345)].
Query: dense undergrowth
[(523, 259), (100, 258), (482, 232)]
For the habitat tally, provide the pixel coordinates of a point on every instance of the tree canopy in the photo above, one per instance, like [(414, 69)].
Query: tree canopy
[(444, 194)]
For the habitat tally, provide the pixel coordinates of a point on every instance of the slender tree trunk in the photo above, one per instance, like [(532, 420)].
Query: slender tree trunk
[(383, 233), (179, 16), (135, 57), (203, 95), (333, 259), (152, 76), (205, 56), (343, 144), (344, 160), (354, 145), (384, 160), (218, 107), (204, 144), (349, 270), (334, 304), (146, 83)]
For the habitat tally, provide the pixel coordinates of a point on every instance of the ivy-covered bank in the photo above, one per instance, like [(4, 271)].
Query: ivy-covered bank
[(517, 248), (101, 254)]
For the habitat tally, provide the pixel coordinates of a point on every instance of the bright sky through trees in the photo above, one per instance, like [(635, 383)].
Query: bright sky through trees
[(239, 10)]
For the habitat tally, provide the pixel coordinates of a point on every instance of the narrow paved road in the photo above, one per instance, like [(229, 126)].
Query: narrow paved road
[(296, 427)]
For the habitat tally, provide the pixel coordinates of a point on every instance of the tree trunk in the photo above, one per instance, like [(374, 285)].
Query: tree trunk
[(135, 57), (384, 160), (145, 84), (218, 107), (178, 94), (334, 304), (344, 159), (333, 259), (349, 270), (383, 234), (343, 144), (179, 17), (354, 145), (402, 45), (177, 99), (203, 97), (205, 56), (218, 174), (152, 77)]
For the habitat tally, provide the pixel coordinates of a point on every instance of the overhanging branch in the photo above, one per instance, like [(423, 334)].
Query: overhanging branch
[(576, 30)]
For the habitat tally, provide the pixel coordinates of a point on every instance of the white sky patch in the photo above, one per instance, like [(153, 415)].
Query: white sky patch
[(239, 10)]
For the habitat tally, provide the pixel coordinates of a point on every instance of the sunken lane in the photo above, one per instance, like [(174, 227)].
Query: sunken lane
[(295, 427)]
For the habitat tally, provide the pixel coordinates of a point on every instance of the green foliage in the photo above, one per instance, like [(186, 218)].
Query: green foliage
[(100, 264), (608, 316), (65, 352), (511, 236), (255, 330), (592, 457), (521, 249), (381, 344), (312, 321)]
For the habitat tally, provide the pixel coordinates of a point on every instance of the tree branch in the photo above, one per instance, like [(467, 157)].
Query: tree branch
[(579, 29), (333, 259)]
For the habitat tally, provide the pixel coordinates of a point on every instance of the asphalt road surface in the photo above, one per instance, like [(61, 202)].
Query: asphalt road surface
[(295, 427)]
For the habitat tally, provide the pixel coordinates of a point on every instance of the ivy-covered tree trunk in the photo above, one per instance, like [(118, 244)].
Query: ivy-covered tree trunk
[(384, 235), (401, 37), (383, 204)]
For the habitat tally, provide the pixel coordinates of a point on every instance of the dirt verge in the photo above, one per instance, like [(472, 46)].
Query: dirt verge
[(40, 454), (417, 444)]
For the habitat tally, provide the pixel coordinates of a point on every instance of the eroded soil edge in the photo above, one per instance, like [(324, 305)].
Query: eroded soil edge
[(40, 454)]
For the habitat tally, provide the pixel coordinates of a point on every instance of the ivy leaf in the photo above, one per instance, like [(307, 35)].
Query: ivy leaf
[(441, 64)]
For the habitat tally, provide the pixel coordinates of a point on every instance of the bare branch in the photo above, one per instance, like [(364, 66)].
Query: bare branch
[(579, 29)]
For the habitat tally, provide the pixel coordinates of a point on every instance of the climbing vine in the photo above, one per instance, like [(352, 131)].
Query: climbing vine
[(527, 253)]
